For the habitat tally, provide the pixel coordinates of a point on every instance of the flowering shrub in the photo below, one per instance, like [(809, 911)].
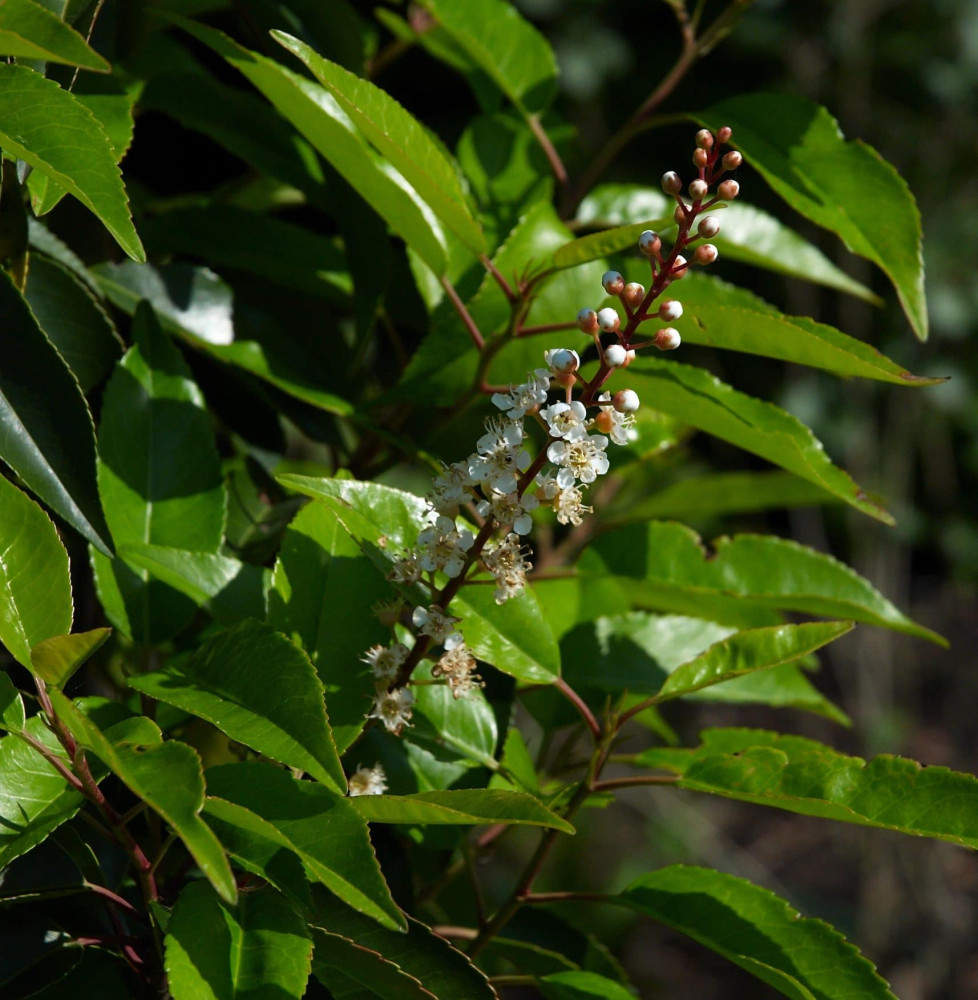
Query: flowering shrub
[(307, 627)]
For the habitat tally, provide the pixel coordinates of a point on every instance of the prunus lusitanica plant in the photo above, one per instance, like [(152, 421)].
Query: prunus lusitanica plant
[(370, 448)]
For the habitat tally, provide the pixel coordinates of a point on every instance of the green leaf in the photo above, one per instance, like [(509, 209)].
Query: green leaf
[(596, 246), (798, 148), (35, 587), (167, 776), (318, 566), (747, 652), (46, 433), (574, 985), (228, 588), (55, 660), (73, 320), (399, 137), (29, 30), (159, 478), (807, 777), (12, 716), (34, 799), (441, 969), (349, 969), (475, 807), (667, 568), (259, 948), (701, 400), (55, 133), (511, 52), (323, 828), (318, 116), (758, 931), (259, 689)]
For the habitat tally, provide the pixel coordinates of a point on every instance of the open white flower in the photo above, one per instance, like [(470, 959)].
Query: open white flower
[(584, 457), (508, 564), (510, 508), (524, 397), (443, 546), (434, 622), (566, 420), (567, 501), (500, 456), (368, 781), (450, 489), (618, 426), (385, 661), (393, 708), (457, 666)]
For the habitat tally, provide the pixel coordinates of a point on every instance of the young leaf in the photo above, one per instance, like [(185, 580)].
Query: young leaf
[(35, 588), (46, 432), (667, 567), (259, 689), (758, 931), (596, 246), (399, 137), (798, 148), (167, 776), (321, 827), (49, 128), (260, 947), (12, 716), (55, 660), (28, 30), (475, 807), (701, 400), (348, 969), (579, 985)]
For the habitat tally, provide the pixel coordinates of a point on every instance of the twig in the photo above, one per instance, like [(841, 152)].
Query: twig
[(549, 150), (578, 702), (466, 316)]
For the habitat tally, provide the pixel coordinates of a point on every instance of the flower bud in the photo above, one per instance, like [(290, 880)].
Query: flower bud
[(667, 339), (680, 214), (700, 158), (705, 254), (625, 400), (698, 189), (563, 361), (614, 356), (604, 421), (649, 243), (728, 190), (612, 282), (633, 294), (629, 358), (724, 134), (608, 320), (670, 310), (708, 227), (704, 139), (732, 160), (587, 321), (671, 182), (679, 267)]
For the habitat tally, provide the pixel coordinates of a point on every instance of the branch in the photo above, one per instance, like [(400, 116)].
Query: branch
[(467, 319)]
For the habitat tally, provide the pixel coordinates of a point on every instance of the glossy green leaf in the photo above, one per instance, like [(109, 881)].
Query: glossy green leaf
[(350, 970), (399, 137), (467, 807), (34, 799), (701, 400), (159, 478), (440, 968), (72, 320), (12, 715), (46, 433), (318, 116), (596, 246), (41, 238), (324, 829), (318, 567), (507, 48), (747, 652), (55, 133), (35, 587), (28, 30), (259, 689), (798, 148), (668, 568), (167, 776), (193, 303), (803, 776), (259, 948), (228, 588), (758, 931), (55, 660), (575, 985)]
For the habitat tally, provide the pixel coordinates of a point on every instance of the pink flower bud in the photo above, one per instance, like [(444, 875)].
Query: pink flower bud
[(670, 310), (625, 401), (679, 267), (565, 380), (604, 421), (732, 160), (728, 190), (700, 158), (671, 182), (705, 254), (587, 321), (698, 190), (708, 227), (704, 139), (667, 339), (629, 358), (614, 356), (633, 294), (608, 320), (612, 282), (649, 243), (724, 134), (680, 214)]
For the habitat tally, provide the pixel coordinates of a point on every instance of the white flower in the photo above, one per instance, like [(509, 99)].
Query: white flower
[(368, 781), (443, 546), (616, 424), (406, 568), (393, 708), (457, 666), (507, 563), (434, 622), (566, 420), (385, 661), (567, 502), (562, 360), (510, 508), (521, 399), (500, 456), (451, 488), (583, 457)]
